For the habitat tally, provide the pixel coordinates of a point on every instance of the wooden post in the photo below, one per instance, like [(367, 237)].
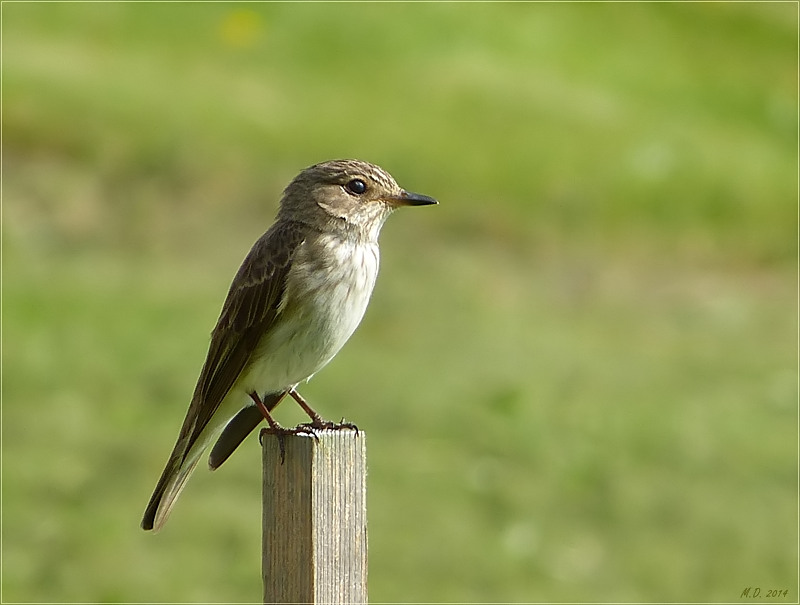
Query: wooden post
[(315, 518)]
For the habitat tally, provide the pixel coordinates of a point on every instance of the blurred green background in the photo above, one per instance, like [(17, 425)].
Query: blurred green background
[(578, 374)]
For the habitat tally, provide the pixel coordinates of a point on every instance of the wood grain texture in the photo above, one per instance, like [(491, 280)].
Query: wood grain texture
[(315, 519)]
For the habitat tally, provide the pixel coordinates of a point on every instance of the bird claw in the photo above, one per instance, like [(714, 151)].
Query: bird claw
[(329, 425), (280, 432), (343, 424), (306, 428)]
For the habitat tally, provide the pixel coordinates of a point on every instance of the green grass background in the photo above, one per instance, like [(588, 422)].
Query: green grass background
[(578, 374)]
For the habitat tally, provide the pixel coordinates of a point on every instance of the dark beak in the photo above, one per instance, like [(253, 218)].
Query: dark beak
[(406, 198)]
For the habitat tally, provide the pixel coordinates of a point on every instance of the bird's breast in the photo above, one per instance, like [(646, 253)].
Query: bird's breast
[(327, 291)]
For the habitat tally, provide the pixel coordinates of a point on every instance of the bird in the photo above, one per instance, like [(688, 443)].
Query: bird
[(297, 297)]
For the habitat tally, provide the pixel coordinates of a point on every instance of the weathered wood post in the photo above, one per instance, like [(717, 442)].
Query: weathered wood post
[(315, 518)]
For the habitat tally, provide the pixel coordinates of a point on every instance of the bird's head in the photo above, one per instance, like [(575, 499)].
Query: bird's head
[(352, 194)]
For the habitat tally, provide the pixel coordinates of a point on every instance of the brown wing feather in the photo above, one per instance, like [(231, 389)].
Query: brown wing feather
[(248, 313)]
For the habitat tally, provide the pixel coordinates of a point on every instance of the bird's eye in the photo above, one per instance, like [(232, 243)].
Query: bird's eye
[(356, 186)]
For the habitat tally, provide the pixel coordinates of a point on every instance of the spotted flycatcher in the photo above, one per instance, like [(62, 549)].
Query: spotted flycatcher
[(298, 296)]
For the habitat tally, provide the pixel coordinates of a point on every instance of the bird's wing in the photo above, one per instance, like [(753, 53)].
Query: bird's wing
[(248, 314)]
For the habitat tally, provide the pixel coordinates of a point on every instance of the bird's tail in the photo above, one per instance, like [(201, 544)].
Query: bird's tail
[(169, 487), (188, 451), (182, 461)]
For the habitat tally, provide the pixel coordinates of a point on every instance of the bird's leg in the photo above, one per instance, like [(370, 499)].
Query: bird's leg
[(265, 412), (316, 420), (276, 429)]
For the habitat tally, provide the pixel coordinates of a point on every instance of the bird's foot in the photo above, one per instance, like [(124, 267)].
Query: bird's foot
[(318, 424), (281, 432)]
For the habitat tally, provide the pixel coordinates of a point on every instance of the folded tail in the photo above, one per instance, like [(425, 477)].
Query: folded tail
[(169, 487), (181, 463)]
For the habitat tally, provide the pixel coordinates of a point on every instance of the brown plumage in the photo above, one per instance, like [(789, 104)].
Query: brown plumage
[(297, 297)]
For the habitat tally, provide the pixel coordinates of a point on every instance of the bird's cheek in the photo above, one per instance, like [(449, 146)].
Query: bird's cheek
[(333, 210)]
